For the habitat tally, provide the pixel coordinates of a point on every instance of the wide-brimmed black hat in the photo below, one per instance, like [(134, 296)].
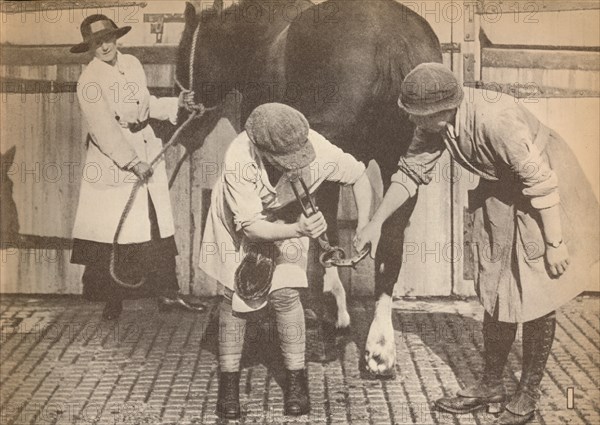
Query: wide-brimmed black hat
[(97, 27)]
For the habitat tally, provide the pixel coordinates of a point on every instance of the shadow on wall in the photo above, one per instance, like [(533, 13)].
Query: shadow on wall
[(9, 219), (10, 235)]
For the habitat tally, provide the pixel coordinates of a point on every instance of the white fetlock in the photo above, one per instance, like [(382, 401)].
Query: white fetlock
[(333, 285), (380, 349), (343, 319)]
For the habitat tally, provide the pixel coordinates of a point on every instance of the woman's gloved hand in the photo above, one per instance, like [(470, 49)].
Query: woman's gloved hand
[(142, 170), (186, 100)]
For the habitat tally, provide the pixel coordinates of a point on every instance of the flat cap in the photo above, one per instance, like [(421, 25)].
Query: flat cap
[(282, 132), (430, 88)]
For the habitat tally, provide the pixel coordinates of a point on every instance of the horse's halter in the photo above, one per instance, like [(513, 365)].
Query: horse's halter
[(191, 70), (191, 64)]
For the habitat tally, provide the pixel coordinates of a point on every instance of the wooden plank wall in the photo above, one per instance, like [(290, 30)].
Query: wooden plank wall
[(48, 133), (57, 22), (429, 231), (50, 129), (45, 174), (427, 263), (427, 270)]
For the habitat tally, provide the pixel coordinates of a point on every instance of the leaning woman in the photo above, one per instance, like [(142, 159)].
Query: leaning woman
[(254, 212), (535, 230), (115, 102)]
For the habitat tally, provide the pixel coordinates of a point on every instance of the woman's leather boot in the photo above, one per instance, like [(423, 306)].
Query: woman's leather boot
[(538, 336), (296, 400), (228, 400), (489, 392)]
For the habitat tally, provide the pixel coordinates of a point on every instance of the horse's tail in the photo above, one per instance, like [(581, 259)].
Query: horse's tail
[(390, 73), (394, 61), (396, 51), (275, 60)]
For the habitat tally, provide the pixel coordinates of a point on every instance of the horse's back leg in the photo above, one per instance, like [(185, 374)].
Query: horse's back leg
[(327, 199)]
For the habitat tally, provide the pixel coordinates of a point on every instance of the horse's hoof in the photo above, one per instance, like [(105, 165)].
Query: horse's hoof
[(343, 320), (371, 376), (380, 349), (368, 374), (344, 332), (379, 369)]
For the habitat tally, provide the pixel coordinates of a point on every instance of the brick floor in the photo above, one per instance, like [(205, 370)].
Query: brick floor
[(60, 364)]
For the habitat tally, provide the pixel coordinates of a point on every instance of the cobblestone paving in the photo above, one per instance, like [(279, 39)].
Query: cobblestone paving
[(60, 364)]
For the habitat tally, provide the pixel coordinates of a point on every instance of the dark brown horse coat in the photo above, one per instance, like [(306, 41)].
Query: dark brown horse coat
[(340, 63)]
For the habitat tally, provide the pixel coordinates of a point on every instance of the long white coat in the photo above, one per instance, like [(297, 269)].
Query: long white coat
[(110, 97)]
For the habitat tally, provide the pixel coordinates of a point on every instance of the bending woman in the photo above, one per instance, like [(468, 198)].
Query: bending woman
[(535, 229), (253, 205)]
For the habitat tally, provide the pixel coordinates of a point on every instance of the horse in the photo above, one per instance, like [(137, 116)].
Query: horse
[(341, 64)]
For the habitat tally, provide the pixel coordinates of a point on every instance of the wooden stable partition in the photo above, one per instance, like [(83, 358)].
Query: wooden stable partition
[(38, 83), (44, 125)]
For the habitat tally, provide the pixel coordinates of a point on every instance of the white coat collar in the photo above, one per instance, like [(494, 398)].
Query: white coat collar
[(119, 65)]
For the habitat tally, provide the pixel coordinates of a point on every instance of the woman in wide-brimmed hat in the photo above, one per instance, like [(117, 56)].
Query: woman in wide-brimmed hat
[(536, 222), (254, 212), (115, 102)]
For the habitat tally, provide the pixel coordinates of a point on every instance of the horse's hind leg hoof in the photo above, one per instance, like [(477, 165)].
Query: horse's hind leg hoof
[(333, 285), (343, 320)]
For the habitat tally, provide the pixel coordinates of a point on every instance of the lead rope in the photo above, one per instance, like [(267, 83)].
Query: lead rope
[(129, 204), (191, 65), (140, 182), (191, 69)]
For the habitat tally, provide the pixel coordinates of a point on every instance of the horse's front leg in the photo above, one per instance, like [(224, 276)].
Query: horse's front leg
[(380, 349)]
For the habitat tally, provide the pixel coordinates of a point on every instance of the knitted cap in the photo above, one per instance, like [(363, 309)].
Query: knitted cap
[(430, 88), (282, 132)]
